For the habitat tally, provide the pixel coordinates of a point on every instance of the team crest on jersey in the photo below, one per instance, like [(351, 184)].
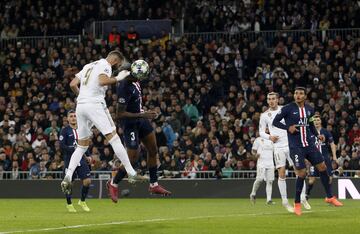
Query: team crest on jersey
[(121, 100), (106, 70), (61, 138), (269, 114), (308, 112)]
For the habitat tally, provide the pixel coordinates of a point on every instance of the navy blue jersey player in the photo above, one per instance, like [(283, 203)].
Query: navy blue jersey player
[(68, 138), (137, 128), (302, 137), (324, 147)]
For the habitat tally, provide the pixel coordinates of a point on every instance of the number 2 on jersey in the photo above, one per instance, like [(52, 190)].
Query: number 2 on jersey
[(87, 75)]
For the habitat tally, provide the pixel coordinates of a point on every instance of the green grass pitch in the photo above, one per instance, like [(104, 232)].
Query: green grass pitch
[(175, 216)]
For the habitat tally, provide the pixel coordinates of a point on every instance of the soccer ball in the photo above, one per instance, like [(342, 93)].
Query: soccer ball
[(140, 69)]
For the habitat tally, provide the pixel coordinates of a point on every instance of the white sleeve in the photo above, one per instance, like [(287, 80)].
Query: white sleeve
[(262, 127), (106, 70)]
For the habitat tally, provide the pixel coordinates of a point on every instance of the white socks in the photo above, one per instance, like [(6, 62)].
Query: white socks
[(121, 153), (268, 190), (303, 192), (75, 160), (282, 189), (256, 186)]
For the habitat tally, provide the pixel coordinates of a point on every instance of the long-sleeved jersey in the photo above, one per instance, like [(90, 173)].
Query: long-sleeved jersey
[(266, 121), (302, 118)]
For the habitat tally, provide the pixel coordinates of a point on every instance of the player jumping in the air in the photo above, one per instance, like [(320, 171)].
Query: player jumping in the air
[(302, 134), (68, 137), (91, 111), (281, 148), (137, 127), (323, 147)]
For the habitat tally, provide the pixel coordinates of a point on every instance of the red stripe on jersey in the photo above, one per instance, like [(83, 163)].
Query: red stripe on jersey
[(75, 134), (302, 128)]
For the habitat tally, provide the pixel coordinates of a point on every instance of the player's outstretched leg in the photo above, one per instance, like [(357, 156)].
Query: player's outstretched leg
[(121, 153), (74, 162), (149, 142)]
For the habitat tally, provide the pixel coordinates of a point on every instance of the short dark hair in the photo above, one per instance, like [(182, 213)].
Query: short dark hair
[(273, 93), (300, 88), (116, 53), (70, 111)]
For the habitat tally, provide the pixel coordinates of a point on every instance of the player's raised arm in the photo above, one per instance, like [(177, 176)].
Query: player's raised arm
[(280, 116), (104, 79)]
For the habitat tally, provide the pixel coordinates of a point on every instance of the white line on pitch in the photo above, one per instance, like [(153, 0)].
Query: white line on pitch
[(148, 221)]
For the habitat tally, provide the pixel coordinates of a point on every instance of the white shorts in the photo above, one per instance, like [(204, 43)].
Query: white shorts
[(281, 155), (266, 174), (93, 114)]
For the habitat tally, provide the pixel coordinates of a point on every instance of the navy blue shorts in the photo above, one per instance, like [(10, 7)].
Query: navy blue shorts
[(135, 130), (311, 153), (314, 171), (82, 171)]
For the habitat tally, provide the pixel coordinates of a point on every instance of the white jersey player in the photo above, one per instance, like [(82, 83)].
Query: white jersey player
[(281, 147), (264, 150), (91, 110)]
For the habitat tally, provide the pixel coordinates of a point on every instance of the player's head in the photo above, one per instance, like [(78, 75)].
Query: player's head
[(300, 94), (317, 121), (115, 58), (273, 99), (71, 117)]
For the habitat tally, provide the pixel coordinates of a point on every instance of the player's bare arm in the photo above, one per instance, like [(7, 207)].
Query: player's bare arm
[(333, 151), (122, 113), (74, 85)]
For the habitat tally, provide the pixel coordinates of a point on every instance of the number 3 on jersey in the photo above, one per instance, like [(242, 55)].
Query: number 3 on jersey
[(132, 134), (87, 75)]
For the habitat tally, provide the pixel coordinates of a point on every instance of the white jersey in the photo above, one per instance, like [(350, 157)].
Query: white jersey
[(265, 149), (266, 120), (90, 89)]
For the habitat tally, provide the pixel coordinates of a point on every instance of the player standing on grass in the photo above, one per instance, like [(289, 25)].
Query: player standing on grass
[(136, 127), (68, 137), (302, 134), (91, 111), (323, 147), (281, 147), (264, 150)]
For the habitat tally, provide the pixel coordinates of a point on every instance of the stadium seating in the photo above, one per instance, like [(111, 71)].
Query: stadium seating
[(209, 93)]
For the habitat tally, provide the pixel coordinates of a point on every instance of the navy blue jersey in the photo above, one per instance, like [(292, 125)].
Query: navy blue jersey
[(302, 118), (129, 94), (324, 147), (68, 137)]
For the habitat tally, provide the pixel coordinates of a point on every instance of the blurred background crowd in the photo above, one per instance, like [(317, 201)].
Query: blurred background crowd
[(209, 93)]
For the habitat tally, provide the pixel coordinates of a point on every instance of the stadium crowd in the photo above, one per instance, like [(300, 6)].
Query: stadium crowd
[(238, 16), (209, 95), (39, 18)]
